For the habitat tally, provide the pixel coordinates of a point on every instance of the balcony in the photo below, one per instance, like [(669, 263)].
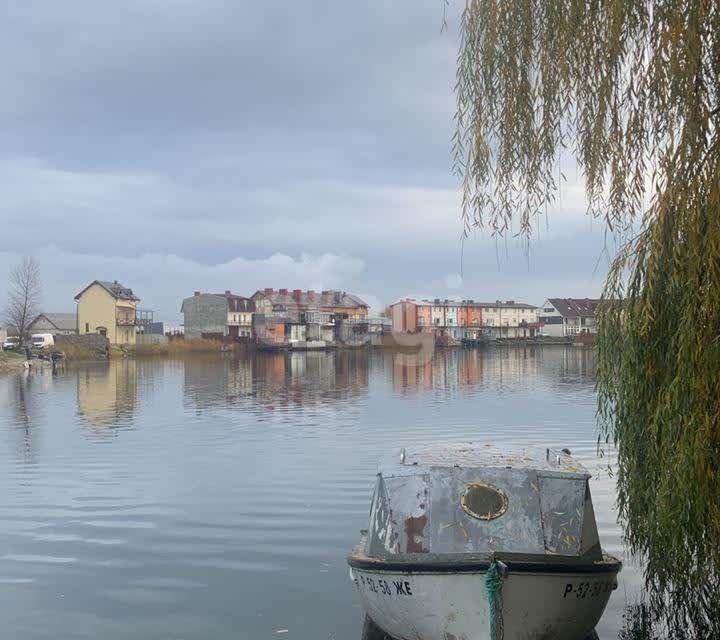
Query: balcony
[(126, 321)]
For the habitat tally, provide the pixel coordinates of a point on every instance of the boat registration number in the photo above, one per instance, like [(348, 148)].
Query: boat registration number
[(588, 589), (387, 588)]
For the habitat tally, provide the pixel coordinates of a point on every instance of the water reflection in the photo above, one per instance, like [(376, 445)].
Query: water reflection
[(217, 497), (266, 381), (107, 392), (456, 369), (24, 406)]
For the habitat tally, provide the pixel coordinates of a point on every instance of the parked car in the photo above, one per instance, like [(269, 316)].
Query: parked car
[(42, 340), (11, 343)]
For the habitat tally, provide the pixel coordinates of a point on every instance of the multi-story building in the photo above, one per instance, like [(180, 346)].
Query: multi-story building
[(108, 308), (455, 320), (308, 319), (470, 319), (451, 319), (239, 317), (563, 317), (297, 300), (217, 315), (437, 314), (509, 319), (403, 316), (411, 316), (424, 315)]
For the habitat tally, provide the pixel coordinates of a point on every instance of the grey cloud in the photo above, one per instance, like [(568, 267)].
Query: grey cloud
[(218, 131)]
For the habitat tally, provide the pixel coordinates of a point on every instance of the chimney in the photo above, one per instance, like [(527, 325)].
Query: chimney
[(510, 302), (283, 292), (196, 293), (325, 292), (297, 293), (227, 292), (269, 292), (115, 281)]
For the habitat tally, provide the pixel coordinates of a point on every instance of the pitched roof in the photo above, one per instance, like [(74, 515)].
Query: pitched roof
[(313, 299), (575, 307), (61, 321), (235, 303), (238, 303), (115, 289)]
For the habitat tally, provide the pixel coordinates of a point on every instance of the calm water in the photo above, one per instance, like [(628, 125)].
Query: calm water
[(217, 498)]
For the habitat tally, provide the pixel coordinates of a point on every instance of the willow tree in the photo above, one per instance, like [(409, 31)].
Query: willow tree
[(629, 91)]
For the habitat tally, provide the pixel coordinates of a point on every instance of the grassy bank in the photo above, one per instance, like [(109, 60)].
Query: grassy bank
[(11, 361), (175, 347), (80, 353)]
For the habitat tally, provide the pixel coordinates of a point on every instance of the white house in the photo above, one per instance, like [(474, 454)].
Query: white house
[(562, 317), (509, 319)]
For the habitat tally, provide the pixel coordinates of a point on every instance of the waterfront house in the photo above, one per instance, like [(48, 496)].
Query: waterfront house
[(239, 319), (403, 316), (276, 329), (510, 319), (424, 315), (310, 319), (409, 315), (297, 301), (108, 308), (449, 319), (217, 315), (470, 319), (562, 317), (63, 324)]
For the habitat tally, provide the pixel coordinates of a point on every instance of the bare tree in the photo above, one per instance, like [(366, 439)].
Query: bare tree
[(24, 293)]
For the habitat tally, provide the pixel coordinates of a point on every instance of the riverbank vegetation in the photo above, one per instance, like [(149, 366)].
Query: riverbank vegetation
[(176, 347), (78, 352), (629, 91), (11, 361)]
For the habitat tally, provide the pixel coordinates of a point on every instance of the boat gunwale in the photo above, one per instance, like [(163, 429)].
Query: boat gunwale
[(473, 563)]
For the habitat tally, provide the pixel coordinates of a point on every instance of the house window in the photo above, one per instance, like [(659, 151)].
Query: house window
[(87, 327)]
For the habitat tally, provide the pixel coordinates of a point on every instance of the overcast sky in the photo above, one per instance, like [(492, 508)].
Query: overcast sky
[(176, 145)]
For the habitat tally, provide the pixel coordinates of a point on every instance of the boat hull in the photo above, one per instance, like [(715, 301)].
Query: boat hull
[(416, 605)]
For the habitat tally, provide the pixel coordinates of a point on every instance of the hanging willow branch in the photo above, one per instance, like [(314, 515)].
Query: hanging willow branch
[(630, 90)]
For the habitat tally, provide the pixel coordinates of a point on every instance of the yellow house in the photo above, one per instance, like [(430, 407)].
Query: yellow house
[(109, 309)]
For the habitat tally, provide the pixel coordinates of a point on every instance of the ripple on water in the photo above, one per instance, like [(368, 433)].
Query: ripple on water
[(217, 497)]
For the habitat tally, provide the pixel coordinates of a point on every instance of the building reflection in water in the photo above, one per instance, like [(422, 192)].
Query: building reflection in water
[(20, 394), (268, 380), (465, 369), (107, 392)]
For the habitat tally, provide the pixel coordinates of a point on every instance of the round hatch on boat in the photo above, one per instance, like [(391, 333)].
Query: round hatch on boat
[(483, 501)]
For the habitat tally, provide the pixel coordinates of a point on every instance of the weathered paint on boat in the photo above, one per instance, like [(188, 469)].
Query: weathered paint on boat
[(456, 606), (466, 542)]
